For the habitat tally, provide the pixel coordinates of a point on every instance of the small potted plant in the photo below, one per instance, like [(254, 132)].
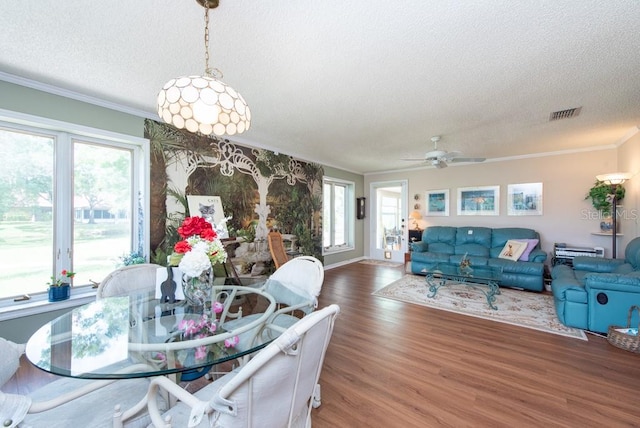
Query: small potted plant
[(133, 258), (465, 266), (60, 287)]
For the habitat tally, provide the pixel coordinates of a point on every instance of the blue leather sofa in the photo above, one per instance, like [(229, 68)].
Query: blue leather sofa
[(596, 292), (482, 245)]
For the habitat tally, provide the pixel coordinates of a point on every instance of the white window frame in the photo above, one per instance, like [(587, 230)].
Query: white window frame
[(66, 133), (349, 215)]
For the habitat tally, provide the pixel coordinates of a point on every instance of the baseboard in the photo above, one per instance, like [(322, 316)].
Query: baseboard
[(343, 263)]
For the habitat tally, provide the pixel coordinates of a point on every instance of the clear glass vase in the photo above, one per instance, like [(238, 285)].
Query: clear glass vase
[(197, 290)]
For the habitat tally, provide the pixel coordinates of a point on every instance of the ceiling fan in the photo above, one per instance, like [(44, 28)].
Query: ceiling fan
[(441, 158)]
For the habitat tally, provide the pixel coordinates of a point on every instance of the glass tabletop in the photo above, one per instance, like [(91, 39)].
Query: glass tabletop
[(477, 273), (138, 336)]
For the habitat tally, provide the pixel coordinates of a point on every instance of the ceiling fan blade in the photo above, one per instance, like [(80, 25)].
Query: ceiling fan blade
[(439, 163), (451, 155), (468, 159)]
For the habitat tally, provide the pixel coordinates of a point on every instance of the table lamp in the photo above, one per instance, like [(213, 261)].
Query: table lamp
[(415, 216)]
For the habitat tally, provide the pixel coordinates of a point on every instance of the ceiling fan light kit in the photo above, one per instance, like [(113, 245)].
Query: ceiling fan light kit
[(204, 104), (441, 158)]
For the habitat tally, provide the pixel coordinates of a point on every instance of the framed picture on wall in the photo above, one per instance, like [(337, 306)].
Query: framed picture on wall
[(524, 199), (437, 202), (210, 208), (479, 200)]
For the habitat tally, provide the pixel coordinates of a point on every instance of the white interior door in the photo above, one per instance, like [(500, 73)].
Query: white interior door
[(388, 221)]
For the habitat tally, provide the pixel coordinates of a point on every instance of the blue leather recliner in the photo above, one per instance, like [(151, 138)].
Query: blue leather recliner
[(597, 292), (482, 246)]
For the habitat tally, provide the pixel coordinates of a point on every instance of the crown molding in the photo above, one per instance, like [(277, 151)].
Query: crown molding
[(54, 90), (507, 158)]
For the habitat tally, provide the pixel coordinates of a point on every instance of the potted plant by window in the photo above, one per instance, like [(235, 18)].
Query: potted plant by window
[(601, 199), (60, 287)]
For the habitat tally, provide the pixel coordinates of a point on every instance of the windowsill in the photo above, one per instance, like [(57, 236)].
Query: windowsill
[(40, 304), (337, 250)]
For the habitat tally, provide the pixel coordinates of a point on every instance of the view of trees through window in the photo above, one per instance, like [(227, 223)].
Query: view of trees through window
[(64, 204), (102, 207), (26, 200), (337, 218)]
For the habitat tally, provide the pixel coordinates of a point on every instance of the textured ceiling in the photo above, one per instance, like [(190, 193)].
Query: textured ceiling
[(357, 84)]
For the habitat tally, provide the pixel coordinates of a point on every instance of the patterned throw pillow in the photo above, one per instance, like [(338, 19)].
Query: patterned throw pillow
[(513, 250)]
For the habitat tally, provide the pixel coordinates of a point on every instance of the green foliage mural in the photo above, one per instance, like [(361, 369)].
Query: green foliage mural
[(260, 189)]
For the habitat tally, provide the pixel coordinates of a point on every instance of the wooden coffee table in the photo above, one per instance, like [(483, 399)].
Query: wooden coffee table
[(486, 279)]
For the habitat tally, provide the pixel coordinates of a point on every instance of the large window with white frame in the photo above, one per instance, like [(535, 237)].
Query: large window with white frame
[(69, 201), (338, 219)]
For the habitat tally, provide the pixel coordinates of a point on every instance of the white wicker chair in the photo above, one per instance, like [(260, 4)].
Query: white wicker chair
[(67, 402), (128, 279), (277, 388), (295, 287)]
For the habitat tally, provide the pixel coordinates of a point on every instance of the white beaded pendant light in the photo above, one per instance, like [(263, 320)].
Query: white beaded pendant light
[(204, 104)]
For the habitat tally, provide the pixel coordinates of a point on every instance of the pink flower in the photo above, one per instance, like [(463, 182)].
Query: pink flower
[(217, 307), (231, 342), (189, 327), (201, 352)]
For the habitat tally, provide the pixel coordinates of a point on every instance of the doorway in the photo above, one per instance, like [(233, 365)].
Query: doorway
[(388, 227)]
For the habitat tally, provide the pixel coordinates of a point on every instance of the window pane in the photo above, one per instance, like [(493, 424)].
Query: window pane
[(339, 215), (388, 231), (102, 209), (26, 225), (326, 215)]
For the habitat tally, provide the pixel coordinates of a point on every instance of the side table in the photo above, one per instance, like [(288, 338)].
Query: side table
[(407, 259)]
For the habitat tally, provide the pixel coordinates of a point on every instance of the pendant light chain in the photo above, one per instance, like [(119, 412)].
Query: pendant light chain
[(208, 71)]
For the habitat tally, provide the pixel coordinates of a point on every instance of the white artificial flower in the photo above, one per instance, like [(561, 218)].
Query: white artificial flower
[(200, 246), (195, 261), (220, 228)]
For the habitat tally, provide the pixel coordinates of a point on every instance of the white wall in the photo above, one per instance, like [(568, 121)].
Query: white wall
[(567, 216), (629, 161)]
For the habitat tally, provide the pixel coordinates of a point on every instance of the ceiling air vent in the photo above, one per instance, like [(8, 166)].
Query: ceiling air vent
[(564, 114)]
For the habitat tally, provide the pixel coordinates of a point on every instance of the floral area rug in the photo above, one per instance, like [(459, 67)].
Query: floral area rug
[(381, 263), (521, 308)]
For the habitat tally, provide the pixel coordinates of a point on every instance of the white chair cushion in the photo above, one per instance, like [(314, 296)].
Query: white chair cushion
[(288, 295), (13, 408), (10, 356), (302, 274), (95, 409)]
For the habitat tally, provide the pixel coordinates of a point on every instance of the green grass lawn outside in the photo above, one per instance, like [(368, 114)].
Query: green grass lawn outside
[(26, 254)]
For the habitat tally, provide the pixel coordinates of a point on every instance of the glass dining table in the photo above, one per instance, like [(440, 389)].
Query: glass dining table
[(139, 336)]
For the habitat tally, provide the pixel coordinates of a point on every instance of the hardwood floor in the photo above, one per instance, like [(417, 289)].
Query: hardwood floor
[(393, 364)]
